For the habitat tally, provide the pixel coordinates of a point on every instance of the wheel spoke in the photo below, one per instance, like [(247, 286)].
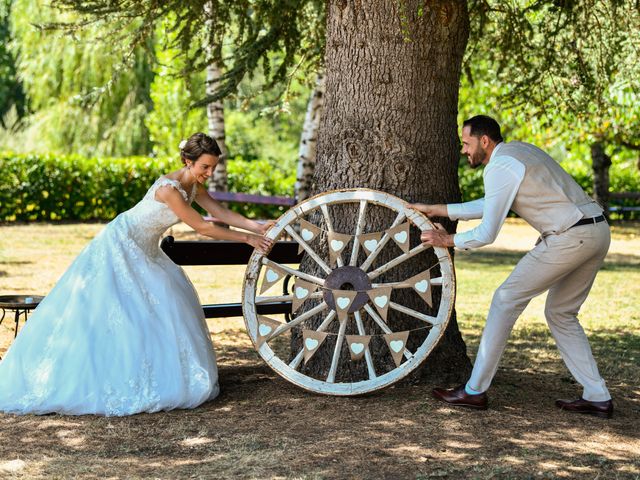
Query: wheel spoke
[(415, 314), (399, 259), (294, 272), (288, 326), (327, 219), (367, 353), (359, 228), (385, 328), (308, 249), (331, 378), (325, 323), (383, 241)]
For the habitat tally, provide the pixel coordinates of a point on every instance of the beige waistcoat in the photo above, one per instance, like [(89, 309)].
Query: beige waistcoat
[(548, 198)]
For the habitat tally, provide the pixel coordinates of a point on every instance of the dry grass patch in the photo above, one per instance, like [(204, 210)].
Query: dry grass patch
[(263, 427)]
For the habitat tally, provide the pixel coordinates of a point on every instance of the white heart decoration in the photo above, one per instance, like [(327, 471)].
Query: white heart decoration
[(311, 343), (272, 276), (307, 234), (343, 302), (400, 237), (422, 286), (396, 345), (264, 330), (357, 347), (381, 301), (371, 244), (301, 292), (336, 245)]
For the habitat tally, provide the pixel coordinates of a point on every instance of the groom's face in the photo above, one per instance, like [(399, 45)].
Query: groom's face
[(472, 147)]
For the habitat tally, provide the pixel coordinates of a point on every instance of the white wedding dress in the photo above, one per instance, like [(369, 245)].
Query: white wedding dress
[(122, 332)]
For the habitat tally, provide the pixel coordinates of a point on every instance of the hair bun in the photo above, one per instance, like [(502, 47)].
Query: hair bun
[(183, 144)]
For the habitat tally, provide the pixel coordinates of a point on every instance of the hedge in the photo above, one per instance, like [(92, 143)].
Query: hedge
[(53, 187)]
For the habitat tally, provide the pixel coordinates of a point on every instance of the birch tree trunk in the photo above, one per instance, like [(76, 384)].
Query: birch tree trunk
[(389, 123), (215, 117), (308, 141)]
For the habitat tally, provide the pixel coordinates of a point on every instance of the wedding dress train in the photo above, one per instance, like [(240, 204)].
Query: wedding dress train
[(122, 331)]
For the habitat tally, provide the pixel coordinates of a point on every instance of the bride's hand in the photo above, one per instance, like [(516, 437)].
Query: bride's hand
[(260, 243), (264, 227)]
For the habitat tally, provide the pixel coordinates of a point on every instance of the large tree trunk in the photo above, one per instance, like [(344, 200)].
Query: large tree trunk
[(389, 123), (309, 141), (600, 163), (215, 116)]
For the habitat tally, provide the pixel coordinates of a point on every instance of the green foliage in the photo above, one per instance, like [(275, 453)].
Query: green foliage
[(51, 188), (263, 33), (84, 100), (259, 177), (568, 68), (48, 187), (11, 94), (172, 93)]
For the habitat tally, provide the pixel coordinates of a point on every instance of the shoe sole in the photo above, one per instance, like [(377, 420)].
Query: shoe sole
[(593, 414), (465, 405)]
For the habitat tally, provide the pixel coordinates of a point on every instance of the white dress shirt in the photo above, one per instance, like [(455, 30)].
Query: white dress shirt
[(502, 177)]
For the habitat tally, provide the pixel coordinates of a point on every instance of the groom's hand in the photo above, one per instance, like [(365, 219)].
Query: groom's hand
[(436, 210), (438, 237)]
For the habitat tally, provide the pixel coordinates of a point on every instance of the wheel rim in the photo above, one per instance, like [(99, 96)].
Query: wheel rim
[(435, 324)]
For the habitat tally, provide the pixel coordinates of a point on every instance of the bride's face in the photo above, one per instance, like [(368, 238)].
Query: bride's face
[(203, 167)]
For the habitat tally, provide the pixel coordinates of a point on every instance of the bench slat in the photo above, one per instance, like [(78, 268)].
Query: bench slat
[(250, 198), (221, 310), (224, 253)]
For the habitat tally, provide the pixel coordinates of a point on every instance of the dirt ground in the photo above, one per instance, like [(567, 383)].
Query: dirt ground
[(263, 427)]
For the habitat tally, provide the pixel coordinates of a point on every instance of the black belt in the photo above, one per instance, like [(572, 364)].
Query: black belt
[(588, 221)]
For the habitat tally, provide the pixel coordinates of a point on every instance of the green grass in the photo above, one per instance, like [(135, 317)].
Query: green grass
[(263, 427)]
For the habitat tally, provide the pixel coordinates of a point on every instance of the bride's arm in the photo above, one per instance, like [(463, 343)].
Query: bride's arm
[(227, 216), (173, 199)]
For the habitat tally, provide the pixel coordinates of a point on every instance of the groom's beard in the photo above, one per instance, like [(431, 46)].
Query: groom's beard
[(476, 159)]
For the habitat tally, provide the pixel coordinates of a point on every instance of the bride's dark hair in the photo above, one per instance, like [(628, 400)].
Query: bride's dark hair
[(198, 144)]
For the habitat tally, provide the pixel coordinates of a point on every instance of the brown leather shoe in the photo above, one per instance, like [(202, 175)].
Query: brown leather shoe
[(599, 409), (458, 397)]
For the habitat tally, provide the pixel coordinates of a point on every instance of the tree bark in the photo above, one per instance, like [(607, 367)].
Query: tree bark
[(389, 123), (215, 117), (601, 163), (309, 140)]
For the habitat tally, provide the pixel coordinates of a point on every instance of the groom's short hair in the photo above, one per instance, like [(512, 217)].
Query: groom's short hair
[(483, 125)]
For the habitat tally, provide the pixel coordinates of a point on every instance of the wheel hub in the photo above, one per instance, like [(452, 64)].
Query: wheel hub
[(347, 278)]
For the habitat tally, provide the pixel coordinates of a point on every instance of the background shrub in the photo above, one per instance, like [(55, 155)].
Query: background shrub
[(53, 187), (46, 187)]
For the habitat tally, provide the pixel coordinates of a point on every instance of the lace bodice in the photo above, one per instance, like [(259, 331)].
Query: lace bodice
[(150, 218)]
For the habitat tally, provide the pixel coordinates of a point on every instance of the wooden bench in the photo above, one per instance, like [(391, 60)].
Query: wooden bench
[(232, 197), (618, 202), (231, 253)]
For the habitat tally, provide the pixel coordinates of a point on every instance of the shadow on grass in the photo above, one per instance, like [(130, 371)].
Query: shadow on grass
[(263, 427)]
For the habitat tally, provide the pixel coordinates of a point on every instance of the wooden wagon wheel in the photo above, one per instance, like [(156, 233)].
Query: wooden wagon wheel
[(273, 338)]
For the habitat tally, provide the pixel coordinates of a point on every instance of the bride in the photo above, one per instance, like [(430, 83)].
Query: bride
[(123, 332)]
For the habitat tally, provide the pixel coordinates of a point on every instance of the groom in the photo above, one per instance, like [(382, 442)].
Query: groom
[(574, 239)]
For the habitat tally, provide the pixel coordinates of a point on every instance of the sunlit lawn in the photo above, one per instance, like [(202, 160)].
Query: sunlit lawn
[(519, 440)]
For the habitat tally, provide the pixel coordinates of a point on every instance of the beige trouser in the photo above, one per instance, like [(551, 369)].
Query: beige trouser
[(565, 264)]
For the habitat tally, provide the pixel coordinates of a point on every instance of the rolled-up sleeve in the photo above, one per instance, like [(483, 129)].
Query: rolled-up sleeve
[(502, 178)]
